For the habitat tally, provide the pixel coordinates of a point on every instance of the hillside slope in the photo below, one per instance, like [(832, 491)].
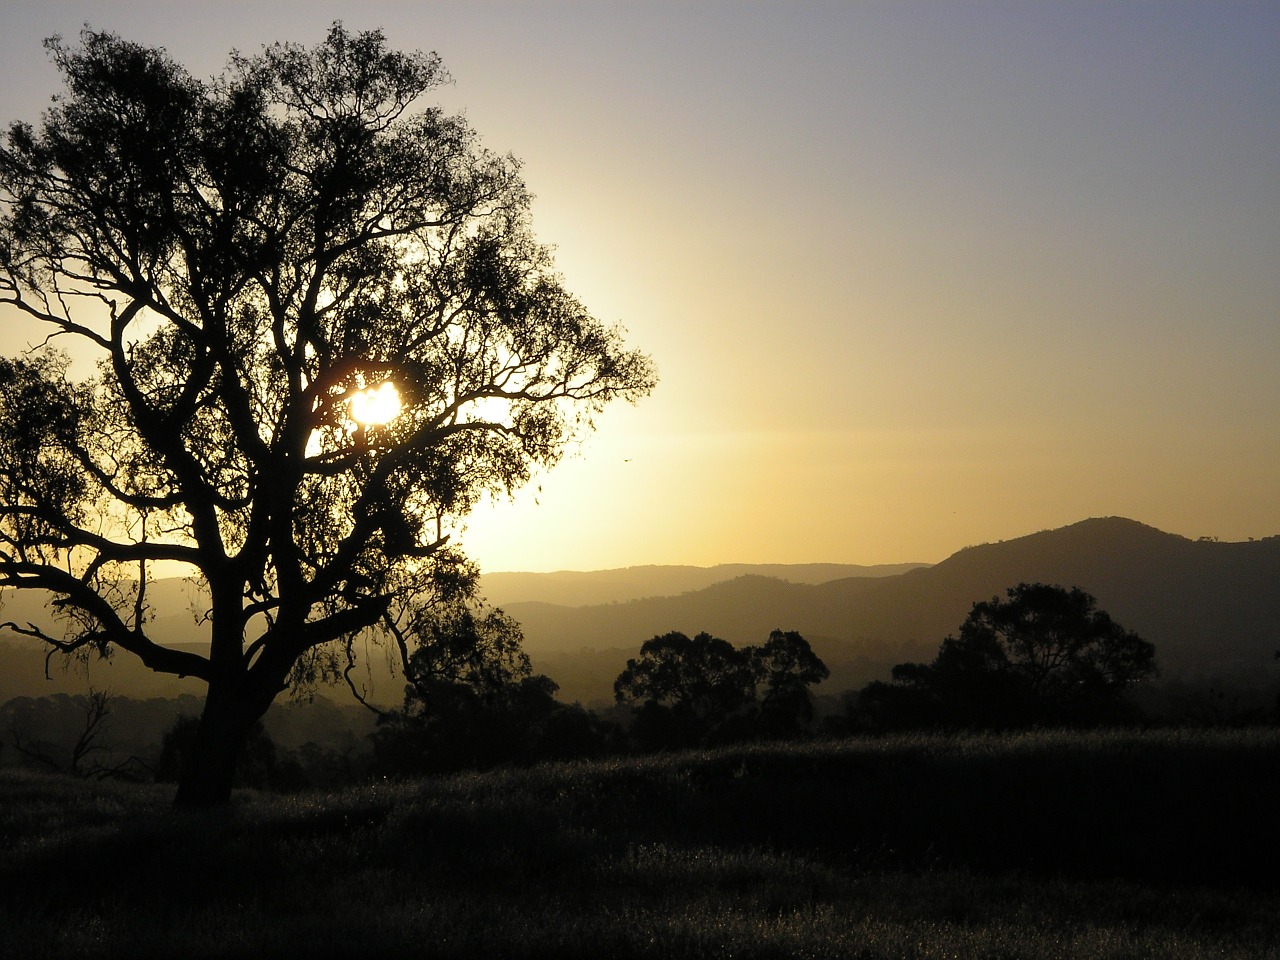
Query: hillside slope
[(1212, 609), (575, 588)]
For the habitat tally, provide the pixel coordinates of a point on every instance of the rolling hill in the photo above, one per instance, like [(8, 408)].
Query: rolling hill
[(572, 588), (1212, 609)]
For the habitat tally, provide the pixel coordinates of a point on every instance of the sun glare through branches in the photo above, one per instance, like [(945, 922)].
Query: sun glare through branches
[(376, 406)]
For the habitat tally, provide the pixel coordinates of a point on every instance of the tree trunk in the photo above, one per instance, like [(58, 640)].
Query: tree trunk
[(209, 769)]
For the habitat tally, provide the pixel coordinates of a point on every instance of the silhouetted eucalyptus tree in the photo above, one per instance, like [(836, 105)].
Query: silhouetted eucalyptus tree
[(786, 667), (248, 258), (691, 691), (472, 700), (1045, 654), (683, 689)]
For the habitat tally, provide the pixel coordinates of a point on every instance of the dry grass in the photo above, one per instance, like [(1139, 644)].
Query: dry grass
[(1045, 845)]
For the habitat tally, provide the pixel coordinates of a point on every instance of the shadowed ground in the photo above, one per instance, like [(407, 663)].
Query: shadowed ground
[(1096, 845)]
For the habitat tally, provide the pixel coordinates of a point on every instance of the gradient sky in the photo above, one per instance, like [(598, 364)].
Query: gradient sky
[(915, 275)]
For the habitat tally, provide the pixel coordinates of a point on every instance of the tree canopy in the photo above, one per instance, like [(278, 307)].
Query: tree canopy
[(473, 701), (244, 259), (1042, 654), (688, 691)]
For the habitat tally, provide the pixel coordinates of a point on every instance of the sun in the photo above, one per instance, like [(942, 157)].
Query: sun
[(376, 406)]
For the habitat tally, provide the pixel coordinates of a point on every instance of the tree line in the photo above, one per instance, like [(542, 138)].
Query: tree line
[(1042, 655)]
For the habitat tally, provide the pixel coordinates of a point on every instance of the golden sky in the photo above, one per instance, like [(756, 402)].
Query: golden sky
[(915, 275)]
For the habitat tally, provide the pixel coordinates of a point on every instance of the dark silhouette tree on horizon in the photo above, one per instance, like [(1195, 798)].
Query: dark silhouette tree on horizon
[(1043, 654), (472, 701), (786, 667), (245, 259), (683, 688), (691, 691)]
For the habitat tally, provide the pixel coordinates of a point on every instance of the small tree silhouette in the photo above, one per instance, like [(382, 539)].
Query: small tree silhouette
[(786, 667), (472, 700), (687, 692), (91, 737), (1044, 654)]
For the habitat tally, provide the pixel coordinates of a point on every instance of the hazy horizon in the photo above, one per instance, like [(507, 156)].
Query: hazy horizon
[(915, 276)]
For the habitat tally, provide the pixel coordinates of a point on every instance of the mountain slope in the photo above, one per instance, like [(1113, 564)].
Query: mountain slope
[(1210, 608), (1207, 606), (573, 588)]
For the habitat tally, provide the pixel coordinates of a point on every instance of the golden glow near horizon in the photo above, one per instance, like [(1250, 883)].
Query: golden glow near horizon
[(376, 406), (915, 275)]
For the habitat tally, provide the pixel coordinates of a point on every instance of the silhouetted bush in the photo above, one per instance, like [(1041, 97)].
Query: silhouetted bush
[(466, 729)]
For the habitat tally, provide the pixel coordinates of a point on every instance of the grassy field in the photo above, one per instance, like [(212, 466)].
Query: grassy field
[(1084, 845)]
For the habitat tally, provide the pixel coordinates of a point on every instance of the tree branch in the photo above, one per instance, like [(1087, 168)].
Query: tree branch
[(74, 592)]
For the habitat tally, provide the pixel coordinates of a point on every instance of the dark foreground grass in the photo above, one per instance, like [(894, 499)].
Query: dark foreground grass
[(1047, 845)]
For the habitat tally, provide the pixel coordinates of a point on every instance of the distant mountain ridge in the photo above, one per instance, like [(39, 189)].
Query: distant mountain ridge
[(1211, 609), (576, 588)]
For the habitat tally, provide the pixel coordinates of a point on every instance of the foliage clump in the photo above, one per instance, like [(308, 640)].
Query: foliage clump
[(1043, 655), (694, 691), (472, 701)]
